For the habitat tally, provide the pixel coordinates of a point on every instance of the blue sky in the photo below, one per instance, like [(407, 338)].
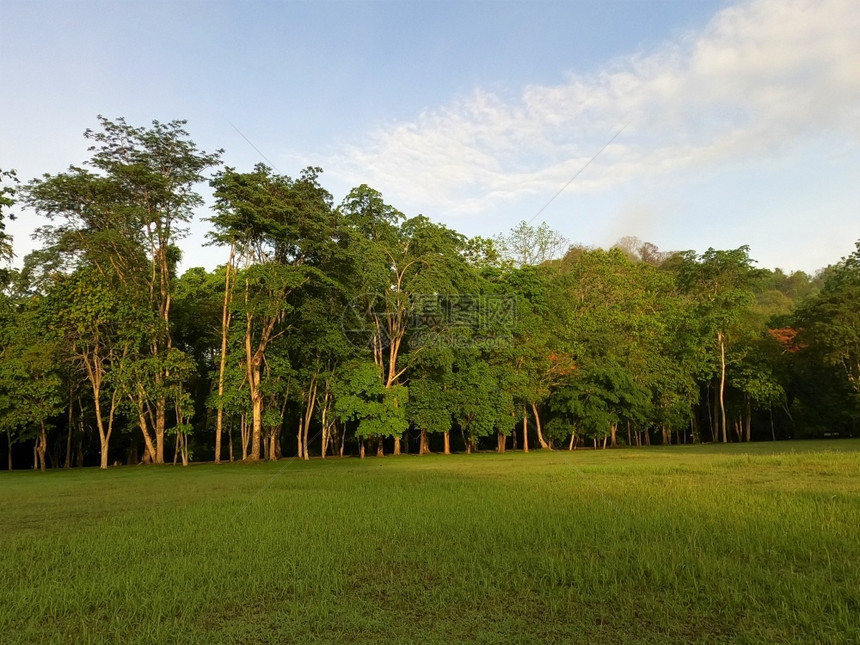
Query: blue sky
[(742, 118)]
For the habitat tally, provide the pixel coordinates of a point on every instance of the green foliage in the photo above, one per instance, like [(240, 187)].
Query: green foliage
[(384, 321), (8, 190), (361, 396)]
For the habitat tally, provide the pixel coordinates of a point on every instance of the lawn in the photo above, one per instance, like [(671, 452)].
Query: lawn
[(714, 544)]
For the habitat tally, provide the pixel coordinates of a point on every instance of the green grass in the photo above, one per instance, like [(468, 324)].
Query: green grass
[(713, 544)]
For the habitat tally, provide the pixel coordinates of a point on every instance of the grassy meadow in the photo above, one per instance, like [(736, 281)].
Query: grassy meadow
[(753, 543)]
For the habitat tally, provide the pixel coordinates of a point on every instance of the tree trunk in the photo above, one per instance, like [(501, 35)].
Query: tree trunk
[(160, 406), (502, 440), (447, 437), (103, 447), (543, 444), (42, 445), (772, 430), (324, 437), (423, 445), (230, 440), (396, 445), (722, 342), (306, 455), (525, 432), (225, 329), (749, 420), (710, 408), (572, 441), (147, 439), (245, 431), (9, 447), (361, 448), (68, 462), (613, 431), (257, 424), (380, 450)]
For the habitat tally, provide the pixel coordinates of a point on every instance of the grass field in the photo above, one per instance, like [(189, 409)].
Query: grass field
[(715, 544)]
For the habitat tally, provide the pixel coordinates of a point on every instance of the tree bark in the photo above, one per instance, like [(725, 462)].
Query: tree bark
[(42, 445), (68, 462), (721, 340), (525, 432), (160, 407), (396, 445), (423, 446), (543, 444), (447, 437), (225, 329)]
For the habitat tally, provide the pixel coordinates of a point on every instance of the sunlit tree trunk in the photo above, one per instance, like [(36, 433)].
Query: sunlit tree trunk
[(222, 365), (721, 340), (42, 445), (541, 440), (525, 432)]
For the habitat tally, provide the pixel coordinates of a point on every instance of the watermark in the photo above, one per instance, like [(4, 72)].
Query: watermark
[(485, 321)]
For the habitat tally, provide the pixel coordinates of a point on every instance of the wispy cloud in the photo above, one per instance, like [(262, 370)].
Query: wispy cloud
[(761, 80)]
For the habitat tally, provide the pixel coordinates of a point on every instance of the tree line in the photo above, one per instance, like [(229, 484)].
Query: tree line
[(334, 329)]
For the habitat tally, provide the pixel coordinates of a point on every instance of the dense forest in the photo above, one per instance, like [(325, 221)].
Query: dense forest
[(336, 329)]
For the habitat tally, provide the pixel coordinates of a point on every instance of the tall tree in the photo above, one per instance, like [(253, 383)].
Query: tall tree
[(720, 286), (8, 189), (124, 217), (282, 231), (403, 260)]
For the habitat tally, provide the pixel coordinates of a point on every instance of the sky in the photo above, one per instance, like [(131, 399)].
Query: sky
[(687, 123)]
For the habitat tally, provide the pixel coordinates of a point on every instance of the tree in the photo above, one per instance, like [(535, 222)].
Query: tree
[(8, 190), (362, 397), (124, 218), (829, 328), (282, 230), (526, 245), (31, 377), (719, 284), (403, 261), (97, 322)]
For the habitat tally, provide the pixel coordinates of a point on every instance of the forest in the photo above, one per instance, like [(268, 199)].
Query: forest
[(333, 329)]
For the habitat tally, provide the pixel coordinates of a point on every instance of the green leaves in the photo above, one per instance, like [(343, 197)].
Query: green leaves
[(8, 190), (361, 396)]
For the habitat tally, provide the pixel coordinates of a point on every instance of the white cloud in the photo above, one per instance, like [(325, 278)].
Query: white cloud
[(762, 80)]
